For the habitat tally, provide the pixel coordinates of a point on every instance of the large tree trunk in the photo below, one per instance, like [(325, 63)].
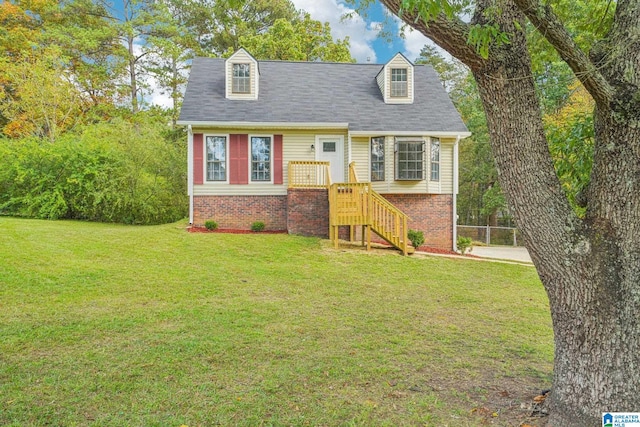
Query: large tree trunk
[(589, 267)]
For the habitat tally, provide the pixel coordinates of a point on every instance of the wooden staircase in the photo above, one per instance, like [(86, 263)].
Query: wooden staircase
[(354, 204), (358, 204)]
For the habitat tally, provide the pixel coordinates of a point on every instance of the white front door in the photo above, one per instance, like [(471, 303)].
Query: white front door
[(331, 149)]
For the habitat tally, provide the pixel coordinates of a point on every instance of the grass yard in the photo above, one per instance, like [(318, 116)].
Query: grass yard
[(110, 325)]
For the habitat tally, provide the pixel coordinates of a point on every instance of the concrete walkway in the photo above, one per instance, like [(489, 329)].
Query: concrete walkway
[(512, 253)]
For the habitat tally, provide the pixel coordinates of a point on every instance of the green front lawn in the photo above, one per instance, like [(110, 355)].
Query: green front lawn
[(111, 325)]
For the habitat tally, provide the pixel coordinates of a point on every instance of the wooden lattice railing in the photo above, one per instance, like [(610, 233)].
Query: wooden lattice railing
[(309, 174)]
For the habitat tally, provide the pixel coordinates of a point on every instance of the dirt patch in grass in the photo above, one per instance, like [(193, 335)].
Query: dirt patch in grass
[(504, 402), (510, 403)]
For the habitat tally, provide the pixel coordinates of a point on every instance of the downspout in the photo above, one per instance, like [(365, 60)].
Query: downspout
[(455, 194), (190, 171)]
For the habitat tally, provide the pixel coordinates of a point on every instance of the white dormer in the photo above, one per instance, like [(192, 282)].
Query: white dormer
[(242, 76), (395, 80)]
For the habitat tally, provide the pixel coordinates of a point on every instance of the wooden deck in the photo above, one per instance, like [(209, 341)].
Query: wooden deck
[(353, 204)]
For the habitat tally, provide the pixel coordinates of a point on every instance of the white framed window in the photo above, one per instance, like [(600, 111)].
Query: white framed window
[(399, 82), (435, 159), (377, 158), (216, 159), (241, 78), (409, 159), (261, 158)]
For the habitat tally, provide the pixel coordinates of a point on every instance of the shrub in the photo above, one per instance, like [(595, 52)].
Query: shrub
[(416, 237), (257, 226), (211, 225), (110, 172), (464, 244)]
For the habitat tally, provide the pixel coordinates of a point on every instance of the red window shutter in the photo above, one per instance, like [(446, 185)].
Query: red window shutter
[(198, 152), (239, 159), (277, 159)]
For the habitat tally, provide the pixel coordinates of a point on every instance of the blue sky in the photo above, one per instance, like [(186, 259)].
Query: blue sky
[(363, 31)]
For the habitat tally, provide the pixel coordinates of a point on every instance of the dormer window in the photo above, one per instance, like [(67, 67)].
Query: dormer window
[(242, 75), (241, 78), (399, 82), (396, 80)]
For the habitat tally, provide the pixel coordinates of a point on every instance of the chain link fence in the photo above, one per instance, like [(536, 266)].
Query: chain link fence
[(503, 236)]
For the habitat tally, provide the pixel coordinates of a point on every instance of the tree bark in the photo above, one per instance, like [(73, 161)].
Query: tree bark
[(590, 267), (133, 79)]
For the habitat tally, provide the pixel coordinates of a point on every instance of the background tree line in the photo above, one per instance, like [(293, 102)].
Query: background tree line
[(79, 136), (567, 111), (69, 68)]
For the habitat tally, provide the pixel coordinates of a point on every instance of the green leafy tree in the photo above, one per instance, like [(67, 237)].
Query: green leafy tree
[(570, 134), (41, 99), (451, 71), (303, 40), (588, 264), (479, 199), (114, 171), (85, 33), (229, 20)]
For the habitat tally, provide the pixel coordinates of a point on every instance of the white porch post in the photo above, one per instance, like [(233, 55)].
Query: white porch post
[(455, 193), (190, 171)]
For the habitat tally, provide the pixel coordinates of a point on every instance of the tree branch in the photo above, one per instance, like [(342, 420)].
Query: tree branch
[(551, 28), (450, 34)]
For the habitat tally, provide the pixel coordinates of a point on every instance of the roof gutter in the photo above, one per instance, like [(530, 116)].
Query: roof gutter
[(434, 133), (279, 125)]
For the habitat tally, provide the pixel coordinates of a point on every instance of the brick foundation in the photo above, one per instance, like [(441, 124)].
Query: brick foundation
[(308, 212), (429, 213), (239, 212)]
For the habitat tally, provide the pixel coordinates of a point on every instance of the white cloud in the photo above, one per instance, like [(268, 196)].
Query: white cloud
[(155, 96), (361, 34), (414, 41)]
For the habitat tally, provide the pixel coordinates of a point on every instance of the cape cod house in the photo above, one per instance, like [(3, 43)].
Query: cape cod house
[(312, 147)]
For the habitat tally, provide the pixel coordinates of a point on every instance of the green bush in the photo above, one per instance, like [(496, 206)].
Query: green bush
[(257, 226), (110, 172), (416, 237), (211, 225), (464, 244)]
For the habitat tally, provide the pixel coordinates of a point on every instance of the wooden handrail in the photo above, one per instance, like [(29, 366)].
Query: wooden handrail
[(388, 221), (353, 175), (309, 174), (356, 203)]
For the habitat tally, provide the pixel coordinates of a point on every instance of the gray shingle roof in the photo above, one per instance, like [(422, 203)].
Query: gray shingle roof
[(316, 92)]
